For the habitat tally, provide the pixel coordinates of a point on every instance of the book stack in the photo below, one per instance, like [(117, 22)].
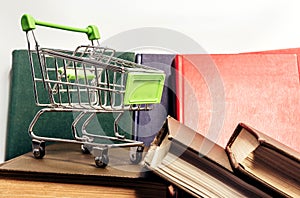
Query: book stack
[(210, 151), (232, 131), (252, 165)]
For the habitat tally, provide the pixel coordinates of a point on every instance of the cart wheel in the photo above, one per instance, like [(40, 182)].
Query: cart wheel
[(38, 153), (38, 149), (102, 161), (137, 155), (85, 150)]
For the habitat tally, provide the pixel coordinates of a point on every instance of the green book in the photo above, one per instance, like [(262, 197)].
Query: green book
[(22, 109)]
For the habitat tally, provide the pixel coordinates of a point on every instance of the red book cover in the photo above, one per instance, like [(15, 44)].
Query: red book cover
[(295, 51), (216, 92), (278, 51)]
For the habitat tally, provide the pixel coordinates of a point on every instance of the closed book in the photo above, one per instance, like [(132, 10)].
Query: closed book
[(65, 166), (195, 164), (295, 51), (264, 162), (148, 123), (22, 109), (216, 92)]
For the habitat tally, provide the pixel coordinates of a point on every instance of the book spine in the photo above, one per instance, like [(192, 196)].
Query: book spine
[(179, 88)]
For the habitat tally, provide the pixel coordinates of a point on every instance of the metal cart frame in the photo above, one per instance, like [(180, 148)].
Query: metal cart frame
[(88, 81)]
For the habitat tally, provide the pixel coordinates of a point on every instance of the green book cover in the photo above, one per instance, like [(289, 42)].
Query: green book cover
[(22, 109)]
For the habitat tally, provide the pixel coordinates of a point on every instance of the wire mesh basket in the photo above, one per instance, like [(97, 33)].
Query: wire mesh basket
[(88, 80)]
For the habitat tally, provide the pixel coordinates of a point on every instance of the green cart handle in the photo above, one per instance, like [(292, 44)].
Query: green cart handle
[(29, 23)]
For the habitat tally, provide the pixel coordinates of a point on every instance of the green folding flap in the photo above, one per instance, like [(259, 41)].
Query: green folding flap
[(144, 88)]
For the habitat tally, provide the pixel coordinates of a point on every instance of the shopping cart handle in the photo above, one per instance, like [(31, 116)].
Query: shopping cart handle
[(28, 23)]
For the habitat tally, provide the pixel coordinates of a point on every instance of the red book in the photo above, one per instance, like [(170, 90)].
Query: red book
[(278, 51), (295, 51), (216, 92)]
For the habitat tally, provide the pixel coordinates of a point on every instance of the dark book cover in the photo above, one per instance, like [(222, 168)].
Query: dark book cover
[(148, 123)]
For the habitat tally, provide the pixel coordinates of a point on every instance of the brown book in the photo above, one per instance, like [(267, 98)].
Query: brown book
[(195, 164), (64, 163), (264, 162)]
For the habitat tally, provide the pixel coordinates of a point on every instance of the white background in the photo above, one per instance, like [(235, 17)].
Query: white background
[(230, 26)]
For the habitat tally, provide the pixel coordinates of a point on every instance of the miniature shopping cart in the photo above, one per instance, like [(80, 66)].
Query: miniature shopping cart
[(88, 81)]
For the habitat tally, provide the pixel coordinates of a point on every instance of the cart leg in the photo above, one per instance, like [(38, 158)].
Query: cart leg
[(38, 148), (86, 149), (101, 156), (74, 130), (33, 122), (87, 122), (83, 147), (136, 154), (116, 126)]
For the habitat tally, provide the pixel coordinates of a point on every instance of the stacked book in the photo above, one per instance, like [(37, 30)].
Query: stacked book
[(221, 102), (252, 165)]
